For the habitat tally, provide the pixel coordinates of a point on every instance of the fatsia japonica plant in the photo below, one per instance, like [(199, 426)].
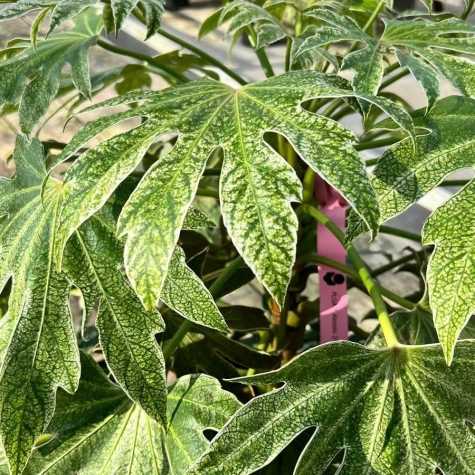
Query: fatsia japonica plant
[(128, 249)]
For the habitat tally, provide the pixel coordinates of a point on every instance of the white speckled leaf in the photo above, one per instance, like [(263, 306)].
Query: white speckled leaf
[(393, 411), (42, 353), (185, 293), (401, 176), (111, 436), (62, 10), (32, 76), (256, 185), (242, 15), (367, 62), (93, 260), (451, 269), (428, 46)]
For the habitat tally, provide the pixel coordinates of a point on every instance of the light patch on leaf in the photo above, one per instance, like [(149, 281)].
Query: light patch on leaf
[(451, 269), (256, 186), (391, 411)]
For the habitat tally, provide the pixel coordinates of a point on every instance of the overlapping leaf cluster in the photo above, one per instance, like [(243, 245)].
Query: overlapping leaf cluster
[(428, 47), (115, 12), (117, 230)]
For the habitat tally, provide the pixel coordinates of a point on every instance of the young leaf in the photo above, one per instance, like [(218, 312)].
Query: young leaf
[(32, 76), (120, 438), (427, 47), (451, 269), (42, 353), (391, 411), (243, 16), (62, 10), (126, 332), (402, 176), (153, 10), (256, 185), (368, 62), (433, 44)]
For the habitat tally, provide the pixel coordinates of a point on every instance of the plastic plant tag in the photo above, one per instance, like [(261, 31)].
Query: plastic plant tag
[(333, 288)]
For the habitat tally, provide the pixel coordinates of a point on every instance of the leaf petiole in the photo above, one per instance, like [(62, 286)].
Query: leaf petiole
[(363, 272)]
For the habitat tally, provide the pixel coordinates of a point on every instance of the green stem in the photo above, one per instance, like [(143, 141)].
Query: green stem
[(198, 51), (208, 192), (370, 144), (388, 81), (468, 9), (217, 286), (371, 286), (308, 185), (346, 110), (174, 342), (397, 262), (371, 161), (400, 233), (389, 294), (374, 15), (141, 57), (288, 51), (203, 54), (261, 55)]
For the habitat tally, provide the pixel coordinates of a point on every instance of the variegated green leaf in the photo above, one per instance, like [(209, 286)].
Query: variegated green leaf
[(152, 9), (112, 436), (242, 16), (402, 176), (424, 73), (427, 46), (256, 185), (367, 62), (32, 76), (184, 292), (126, 332), (62, 10), (42, 353), (451, 270), (392, 411)]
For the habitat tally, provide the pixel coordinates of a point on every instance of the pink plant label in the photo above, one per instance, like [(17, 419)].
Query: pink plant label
[(333, 288)]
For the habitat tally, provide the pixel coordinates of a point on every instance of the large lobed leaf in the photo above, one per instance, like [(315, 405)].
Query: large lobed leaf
[(244, 17), (62, 10), (451, 269), (32, 76), (402, 176), (42, 353), (126, 332), (392, 411), (256, 184), (430, 48), (107, 434)]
